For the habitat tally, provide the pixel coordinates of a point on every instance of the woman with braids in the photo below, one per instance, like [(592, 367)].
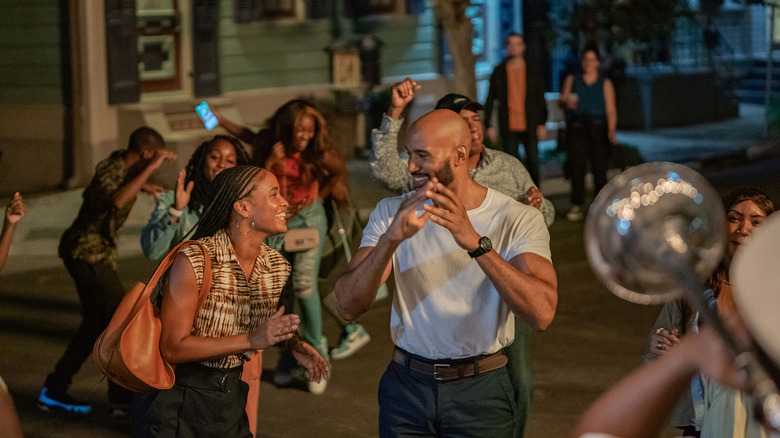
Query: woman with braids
[(709, 408), (177, 211), (209, 345), (309, 169)]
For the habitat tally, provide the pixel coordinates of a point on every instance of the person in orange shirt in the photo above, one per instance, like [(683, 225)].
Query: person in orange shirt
[(518, 87)]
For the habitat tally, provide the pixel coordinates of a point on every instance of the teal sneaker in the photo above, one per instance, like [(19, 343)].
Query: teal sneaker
[(354, 339), (382, 293)]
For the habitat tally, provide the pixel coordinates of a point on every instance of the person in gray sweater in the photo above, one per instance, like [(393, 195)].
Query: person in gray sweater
[(489, 167)]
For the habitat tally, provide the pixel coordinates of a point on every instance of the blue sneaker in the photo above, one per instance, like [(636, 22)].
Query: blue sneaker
[(50, 401), (355, 338)]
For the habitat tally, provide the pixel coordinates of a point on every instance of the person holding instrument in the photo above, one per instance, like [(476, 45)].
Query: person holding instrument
[(240, 315), (637, 405), (709, 409)]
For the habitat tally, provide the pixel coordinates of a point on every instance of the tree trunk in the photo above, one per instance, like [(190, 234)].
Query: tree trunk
[(458, 31)]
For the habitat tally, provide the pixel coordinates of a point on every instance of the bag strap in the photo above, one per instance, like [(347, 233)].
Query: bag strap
[(166, 263)]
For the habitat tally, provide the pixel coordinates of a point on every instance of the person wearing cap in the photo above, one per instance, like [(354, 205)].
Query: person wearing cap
[(468, 262), (522, 111), (488, 167)]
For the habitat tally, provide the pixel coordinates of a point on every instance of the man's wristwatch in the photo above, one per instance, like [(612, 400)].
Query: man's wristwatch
[(485, 245)]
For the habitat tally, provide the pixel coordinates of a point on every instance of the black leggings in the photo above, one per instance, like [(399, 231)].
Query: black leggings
[(586, 141)]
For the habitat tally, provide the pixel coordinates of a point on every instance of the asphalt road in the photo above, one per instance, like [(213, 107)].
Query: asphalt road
[(594, 340)]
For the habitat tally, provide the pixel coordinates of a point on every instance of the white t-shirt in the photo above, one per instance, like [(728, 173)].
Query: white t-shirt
[(445, 306)]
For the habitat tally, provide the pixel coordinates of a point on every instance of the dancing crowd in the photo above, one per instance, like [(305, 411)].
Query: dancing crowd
[(466, 240)]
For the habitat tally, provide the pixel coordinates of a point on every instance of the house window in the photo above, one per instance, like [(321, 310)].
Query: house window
[(247, 11), (360, 8), (277, 9)]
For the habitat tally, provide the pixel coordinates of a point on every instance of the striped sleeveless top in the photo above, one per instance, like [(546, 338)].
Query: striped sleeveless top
[(236, 304)]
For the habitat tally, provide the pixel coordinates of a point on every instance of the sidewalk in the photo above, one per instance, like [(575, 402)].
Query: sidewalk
[(696, 146)]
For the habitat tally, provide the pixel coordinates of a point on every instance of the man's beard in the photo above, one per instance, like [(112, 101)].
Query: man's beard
[(445, 175)]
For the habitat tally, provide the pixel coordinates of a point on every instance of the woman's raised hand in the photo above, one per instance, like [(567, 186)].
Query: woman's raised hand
[(15, 210), (181, 196)]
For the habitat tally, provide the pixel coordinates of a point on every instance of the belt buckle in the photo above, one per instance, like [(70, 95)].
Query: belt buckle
[(436, 367)]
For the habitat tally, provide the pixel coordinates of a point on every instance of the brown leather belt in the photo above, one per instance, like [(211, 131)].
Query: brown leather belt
[(450, 369)]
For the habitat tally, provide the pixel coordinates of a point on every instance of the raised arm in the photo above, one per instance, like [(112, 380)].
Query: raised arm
[(241, 132), (356, 288), (527, 283), (639, 405), (129, 190), (14, 212), (385, 163), (162, 230)]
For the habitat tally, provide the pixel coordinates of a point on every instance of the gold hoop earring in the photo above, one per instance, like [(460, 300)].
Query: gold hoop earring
[(251, 226)]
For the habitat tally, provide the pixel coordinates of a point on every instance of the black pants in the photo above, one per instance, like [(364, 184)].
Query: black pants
[(512, 141), (479, 406), (204, 402), (100, 292), (586, 142)]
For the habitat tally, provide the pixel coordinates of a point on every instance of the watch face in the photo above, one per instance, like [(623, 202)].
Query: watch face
[(485, 243)]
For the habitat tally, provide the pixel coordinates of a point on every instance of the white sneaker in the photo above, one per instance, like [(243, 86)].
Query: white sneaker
[(356, 337), (318, 388), (575, 214)]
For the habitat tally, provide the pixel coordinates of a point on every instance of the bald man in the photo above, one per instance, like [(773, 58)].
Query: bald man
[(465, 258)]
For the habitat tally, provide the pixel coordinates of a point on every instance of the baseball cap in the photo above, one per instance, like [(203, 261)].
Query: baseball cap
[(457, 103)]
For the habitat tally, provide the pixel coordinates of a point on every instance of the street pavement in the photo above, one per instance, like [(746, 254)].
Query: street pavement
[(594, 340)]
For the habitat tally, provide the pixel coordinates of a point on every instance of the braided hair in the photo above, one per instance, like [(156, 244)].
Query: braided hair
[(195, 166), (229, 186)]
